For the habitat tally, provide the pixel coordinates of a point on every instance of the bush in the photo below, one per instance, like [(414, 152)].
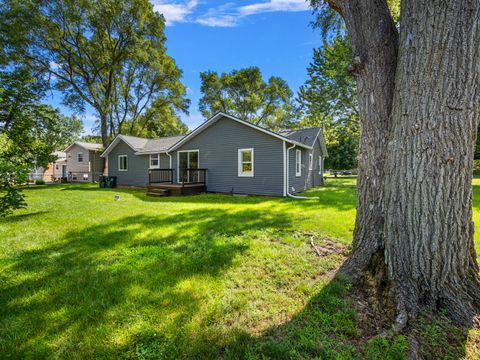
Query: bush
[(39, 182), (476, 164)]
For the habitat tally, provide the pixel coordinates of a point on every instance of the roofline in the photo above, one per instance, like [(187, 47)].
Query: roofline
[(220, 114), (322, 143), (77, 143), (114, 143), (151, 152)]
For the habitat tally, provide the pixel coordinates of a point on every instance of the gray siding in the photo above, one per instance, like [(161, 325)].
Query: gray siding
[(165, 161), (308, 178), (218, 146), (137, 173)]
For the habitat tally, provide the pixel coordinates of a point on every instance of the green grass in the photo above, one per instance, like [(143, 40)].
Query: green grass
[(83, 276)]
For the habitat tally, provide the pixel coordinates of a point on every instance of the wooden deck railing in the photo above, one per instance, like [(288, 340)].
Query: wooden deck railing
[(161, 176)]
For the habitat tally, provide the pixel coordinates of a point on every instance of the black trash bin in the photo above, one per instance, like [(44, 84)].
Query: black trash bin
[(102, 181), (112, 181)]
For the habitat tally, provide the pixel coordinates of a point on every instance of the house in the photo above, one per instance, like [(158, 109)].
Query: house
[(57, 169), (224, 154), (54, 171), (83, 161)]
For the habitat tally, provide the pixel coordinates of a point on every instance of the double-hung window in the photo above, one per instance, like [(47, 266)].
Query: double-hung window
[(298, 163), (310, 161), (320, 165), (154, 161), (245, 162), (122, 163), (79, 157)]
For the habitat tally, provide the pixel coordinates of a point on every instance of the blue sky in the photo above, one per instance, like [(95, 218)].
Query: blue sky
[(274, 35)]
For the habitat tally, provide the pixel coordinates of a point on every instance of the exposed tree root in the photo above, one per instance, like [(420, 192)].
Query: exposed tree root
[(402, 301)]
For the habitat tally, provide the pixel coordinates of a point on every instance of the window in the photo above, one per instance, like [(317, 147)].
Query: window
[(298, 163), (85, 177), (154, 160), (245, 162), (320, 165), (80, 157), (310, 161), (122, 162), (56, 166)]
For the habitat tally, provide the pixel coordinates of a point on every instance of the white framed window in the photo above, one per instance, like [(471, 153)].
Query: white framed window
[(79, 157), (85, 176), (310, 161), (56, 166), (154, 161), (122, 163), (298, 162), (245, 162), (320, 165)]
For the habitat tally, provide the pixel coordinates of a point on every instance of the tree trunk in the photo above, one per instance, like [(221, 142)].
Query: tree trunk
[(374, 41), (429, 248), (104, 134)]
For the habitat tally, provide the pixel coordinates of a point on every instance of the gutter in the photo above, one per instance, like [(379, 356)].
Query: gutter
[(287, 177)]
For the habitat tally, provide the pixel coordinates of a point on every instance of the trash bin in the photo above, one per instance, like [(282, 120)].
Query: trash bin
[(102, 181), (112, 181)]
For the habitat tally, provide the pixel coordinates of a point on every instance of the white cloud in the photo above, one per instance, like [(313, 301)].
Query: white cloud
[(226, 15), (274, 5), (218, 20), (174, 11)]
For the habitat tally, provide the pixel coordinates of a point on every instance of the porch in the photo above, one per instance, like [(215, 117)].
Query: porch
[(165, 182)]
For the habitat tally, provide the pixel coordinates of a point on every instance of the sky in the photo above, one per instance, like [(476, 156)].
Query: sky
[(274, 35)]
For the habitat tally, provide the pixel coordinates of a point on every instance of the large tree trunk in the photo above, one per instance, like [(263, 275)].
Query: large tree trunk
[(104, 135), (414, 229), (429, 249), (374, 41)]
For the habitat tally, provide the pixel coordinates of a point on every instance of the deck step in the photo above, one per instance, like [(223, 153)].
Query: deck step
[(158, 192)]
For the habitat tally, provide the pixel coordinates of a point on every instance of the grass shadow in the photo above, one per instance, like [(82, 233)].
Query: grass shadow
[(21, 217), (109, 277)]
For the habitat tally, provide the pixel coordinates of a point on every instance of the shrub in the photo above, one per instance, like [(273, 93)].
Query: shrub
[(39, 182)]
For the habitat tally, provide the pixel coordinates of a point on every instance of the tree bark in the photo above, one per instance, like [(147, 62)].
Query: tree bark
[(374, 41), (429, 248), (104, 135), (418, 119)]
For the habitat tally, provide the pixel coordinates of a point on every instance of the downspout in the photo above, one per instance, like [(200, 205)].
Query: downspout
[(288, 178), (171, 172)]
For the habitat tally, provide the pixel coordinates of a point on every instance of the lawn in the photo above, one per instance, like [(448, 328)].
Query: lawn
[(83, 276)]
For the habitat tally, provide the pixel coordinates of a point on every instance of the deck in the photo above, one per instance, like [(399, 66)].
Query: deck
[(162, 182), (175, 189)]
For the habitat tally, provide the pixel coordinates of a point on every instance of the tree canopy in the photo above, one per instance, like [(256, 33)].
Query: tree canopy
[(108, 55), (328, 99), (244, 93), (29, 132)]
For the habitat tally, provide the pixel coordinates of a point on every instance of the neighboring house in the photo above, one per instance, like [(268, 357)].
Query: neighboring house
[(83, 161), (53, 172), (231, 155), (57, 169)]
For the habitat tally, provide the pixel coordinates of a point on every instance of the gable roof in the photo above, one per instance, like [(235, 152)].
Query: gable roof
[(160, 144), (304, 138), (143, 145), (220, 115), (85, 145)]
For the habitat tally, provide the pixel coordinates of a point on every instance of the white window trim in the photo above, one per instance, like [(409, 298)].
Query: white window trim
[(298, 162), (150, 161), (119, 167), (240, 163), (310, 161), (80, 153), (320, 165)]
